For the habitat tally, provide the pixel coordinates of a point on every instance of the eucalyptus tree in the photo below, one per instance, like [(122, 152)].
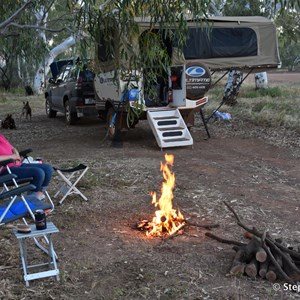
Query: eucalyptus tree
[(288, 24), (34, 32), (30, 32), (93, 15), (17, 41)]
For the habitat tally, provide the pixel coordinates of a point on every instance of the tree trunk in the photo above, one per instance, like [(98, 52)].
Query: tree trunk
[(44, 67), (261, 80), (232, 87)]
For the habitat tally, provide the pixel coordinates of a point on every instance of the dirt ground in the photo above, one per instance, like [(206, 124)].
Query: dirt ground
[(101, 255)]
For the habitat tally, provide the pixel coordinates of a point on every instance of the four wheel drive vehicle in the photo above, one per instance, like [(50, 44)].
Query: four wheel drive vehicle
[(215, 44), (70, 91)]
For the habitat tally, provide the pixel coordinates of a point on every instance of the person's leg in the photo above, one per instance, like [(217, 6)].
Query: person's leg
[(46, 169), (38, 175)]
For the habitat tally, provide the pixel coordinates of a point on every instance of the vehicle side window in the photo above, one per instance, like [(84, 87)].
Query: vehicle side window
[(61, 74), (67, 73), (64, 74), (74, 73)]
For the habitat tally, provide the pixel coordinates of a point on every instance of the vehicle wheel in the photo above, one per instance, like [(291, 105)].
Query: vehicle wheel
[(71, 117), (112, 129), (49, 111)]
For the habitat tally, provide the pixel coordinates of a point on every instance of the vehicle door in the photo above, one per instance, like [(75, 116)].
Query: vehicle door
[(60, 87)]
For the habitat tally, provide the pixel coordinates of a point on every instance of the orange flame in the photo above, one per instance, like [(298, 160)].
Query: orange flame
[(166, 218)]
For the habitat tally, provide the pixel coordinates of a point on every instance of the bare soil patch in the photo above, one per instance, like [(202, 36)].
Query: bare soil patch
[(101, 256)]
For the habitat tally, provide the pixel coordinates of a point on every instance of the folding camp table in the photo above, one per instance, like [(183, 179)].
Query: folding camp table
[(52, 268)]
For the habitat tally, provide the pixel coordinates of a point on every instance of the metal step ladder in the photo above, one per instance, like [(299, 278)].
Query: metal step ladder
[(169, 128)]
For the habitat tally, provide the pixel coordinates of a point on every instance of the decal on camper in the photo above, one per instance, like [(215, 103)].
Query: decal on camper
[(195, 71)]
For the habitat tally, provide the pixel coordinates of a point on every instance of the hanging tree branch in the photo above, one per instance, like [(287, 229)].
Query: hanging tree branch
[(14, 15)]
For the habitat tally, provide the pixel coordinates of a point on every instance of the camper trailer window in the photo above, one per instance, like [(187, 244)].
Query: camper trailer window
[(220, 42)]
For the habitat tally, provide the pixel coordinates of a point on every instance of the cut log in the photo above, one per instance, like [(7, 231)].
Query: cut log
[(271, 274), (245, 256), (261, 255), (264, 256), (263, 268), (290, 268), (248, 235), (251, 268), (238, 269), (238, 264)]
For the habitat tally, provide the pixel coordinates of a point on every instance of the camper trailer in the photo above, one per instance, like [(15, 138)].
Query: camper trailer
[(170, 100)]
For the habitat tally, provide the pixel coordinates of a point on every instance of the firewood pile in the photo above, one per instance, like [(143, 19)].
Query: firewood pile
[(263, 256)]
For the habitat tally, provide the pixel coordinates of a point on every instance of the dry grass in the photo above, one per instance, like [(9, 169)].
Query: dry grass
[(278, 106), (102, 257)]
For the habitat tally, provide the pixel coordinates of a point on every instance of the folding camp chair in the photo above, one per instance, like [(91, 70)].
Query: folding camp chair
[(25, 156), (18, 205), (70, 179)]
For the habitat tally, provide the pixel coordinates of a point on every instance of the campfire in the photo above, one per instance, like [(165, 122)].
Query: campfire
[(167, 221)]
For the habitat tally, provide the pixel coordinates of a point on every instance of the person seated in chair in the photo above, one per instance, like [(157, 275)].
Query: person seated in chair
[(41, 173)]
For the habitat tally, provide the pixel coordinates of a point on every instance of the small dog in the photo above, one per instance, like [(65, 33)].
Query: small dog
[(8, 123), (26, 110)]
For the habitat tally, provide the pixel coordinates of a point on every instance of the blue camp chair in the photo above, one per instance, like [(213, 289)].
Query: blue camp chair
[(15, 204), (15, 182)]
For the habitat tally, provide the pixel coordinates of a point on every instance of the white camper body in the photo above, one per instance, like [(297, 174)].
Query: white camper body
[(219, 43)]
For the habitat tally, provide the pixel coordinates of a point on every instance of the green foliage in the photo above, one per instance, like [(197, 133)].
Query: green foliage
[(288, 24), (115, 24), (171, 12), (243, 8), (24, 41)]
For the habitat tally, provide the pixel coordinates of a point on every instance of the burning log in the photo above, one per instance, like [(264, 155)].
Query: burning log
[(263, 256)]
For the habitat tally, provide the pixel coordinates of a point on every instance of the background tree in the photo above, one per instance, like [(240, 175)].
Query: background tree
[(288, 24), (34, 32), (31, 36)]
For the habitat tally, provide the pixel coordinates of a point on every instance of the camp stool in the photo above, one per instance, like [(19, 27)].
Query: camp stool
[(70, 179)]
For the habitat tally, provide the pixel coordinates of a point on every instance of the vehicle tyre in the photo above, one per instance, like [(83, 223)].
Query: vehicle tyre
[(113, 128), (49, 111), (71, 117)]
